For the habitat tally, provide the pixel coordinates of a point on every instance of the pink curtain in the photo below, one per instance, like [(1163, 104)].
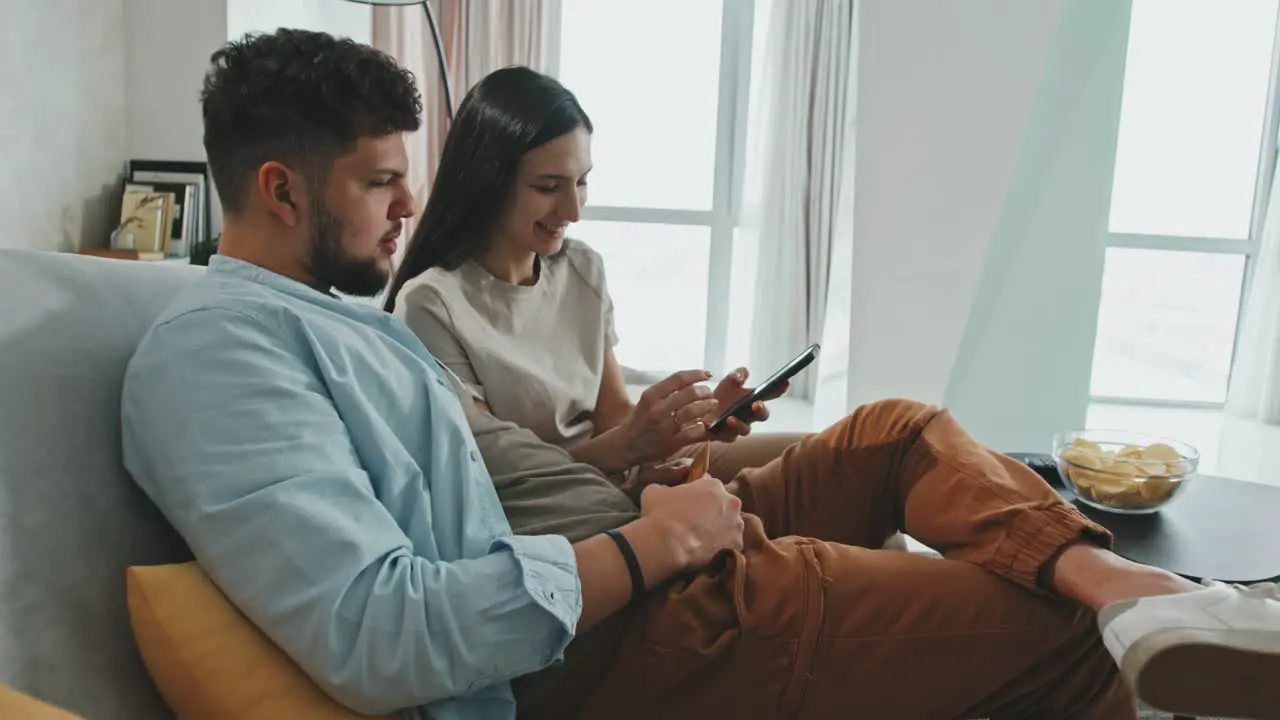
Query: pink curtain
[(480, 36)]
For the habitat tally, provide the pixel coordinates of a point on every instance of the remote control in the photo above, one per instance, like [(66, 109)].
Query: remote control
[(1043, 465)]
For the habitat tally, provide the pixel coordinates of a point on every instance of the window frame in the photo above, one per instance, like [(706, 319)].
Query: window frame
[(1267, 160), (737, 21)]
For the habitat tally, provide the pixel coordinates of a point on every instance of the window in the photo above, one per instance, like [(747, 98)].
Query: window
[(1194, 158), (665, 83), (654, 112), (649, 266), (1167, 324)]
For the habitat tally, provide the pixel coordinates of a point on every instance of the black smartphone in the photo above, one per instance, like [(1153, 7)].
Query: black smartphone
[(742, 408)]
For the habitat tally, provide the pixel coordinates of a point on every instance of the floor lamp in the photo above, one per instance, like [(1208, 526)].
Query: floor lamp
[(435, 34)]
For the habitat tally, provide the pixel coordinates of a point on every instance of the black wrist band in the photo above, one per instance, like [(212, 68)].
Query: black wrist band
[(633, 564)]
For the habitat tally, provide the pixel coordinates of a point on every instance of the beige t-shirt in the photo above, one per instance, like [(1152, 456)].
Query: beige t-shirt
[(543, 490), (533, 353)]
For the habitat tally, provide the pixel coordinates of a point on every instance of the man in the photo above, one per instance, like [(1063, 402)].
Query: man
[(319, 463)]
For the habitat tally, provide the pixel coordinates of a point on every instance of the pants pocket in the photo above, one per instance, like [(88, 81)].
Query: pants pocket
[(809, 596)]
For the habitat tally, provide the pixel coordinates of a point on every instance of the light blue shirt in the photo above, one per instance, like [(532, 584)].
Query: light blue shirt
[(318, 462)]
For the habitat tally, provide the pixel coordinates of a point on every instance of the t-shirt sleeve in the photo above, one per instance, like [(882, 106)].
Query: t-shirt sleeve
[(428, 317), (610, 331), (592, 267)]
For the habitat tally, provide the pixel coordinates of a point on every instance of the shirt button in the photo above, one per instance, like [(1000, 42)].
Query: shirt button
[(475, 456)]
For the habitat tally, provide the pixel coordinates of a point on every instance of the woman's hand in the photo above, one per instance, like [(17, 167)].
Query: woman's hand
[(668, 416), (731, 389)]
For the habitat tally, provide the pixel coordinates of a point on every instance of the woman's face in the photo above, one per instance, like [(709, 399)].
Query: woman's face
[(550, 190)]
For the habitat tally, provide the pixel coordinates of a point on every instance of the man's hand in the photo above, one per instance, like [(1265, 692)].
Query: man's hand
[(680, 529), (731, 389), (701, 518)]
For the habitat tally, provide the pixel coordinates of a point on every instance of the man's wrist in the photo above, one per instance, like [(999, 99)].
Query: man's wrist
[(661, 551), (638, 583)]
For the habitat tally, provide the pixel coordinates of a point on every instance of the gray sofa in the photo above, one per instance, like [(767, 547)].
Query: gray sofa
[(71, 520)]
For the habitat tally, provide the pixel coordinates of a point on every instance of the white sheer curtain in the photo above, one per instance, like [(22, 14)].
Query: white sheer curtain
[(479, 36), (798, 188), (1255, 380)]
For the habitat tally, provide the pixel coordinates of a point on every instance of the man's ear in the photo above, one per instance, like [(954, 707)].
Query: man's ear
[(282, 192)]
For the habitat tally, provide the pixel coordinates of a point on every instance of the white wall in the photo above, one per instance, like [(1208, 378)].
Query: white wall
[(944, 94), (62, 121), (950, 194), (1023, 368), (336, 17), (169, 43), (85, 85)]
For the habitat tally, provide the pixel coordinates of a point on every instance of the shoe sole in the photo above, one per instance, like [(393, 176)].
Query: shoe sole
[(1232, 673)]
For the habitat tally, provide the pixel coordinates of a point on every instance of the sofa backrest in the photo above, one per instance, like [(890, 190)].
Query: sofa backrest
[(71, 520)]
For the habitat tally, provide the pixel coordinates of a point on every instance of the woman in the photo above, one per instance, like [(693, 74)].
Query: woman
[(522, 314)]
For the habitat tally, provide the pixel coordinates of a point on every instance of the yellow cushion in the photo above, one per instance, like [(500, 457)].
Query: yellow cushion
[(14, 704), (208, 660)]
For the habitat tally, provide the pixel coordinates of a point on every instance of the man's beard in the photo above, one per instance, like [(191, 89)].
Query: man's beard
[(332, 266)]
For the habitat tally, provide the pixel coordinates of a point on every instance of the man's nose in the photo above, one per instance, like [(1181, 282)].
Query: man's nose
[(405, 205)]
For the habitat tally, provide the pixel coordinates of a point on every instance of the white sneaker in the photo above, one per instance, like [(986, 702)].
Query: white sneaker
[(1214, 651)]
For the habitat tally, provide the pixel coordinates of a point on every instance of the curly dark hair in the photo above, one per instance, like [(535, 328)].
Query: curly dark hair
[(301, 98)]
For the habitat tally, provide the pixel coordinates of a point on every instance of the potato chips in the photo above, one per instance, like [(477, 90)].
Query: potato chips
[(1128, 477), (701, 462)]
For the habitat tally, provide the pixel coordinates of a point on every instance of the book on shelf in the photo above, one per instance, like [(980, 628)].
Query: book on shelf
[(144, 222), (179, 227), (189, 185)]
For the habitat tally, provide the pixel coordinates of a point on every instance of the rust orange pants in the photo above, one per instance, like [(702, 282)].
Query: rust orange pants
[(810, 621)]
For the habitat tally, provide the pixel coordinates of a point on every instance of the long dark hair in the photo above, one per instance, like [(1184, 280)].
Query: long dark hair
[(507, 114)]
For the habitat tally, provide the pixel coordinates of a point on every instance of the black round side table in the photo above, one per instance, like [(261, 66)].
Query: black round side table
[(1217, 529)]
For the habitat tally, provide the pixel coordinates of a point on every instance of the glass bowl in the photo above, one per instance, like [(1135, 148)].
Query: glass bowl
[(1124, 472)]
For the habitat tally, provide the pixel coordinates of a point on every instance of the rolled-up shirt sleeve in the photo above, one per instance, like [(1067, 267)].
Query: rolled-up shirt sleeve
[(548, 572), (235, 438)]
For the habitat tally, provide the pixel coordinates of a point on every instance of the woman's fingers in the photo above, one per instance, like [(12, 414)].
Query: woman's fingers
[(679, 400), (697, 410), (676, 382), (739, 427), (761, 412), (733, 429), (691, 434)]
